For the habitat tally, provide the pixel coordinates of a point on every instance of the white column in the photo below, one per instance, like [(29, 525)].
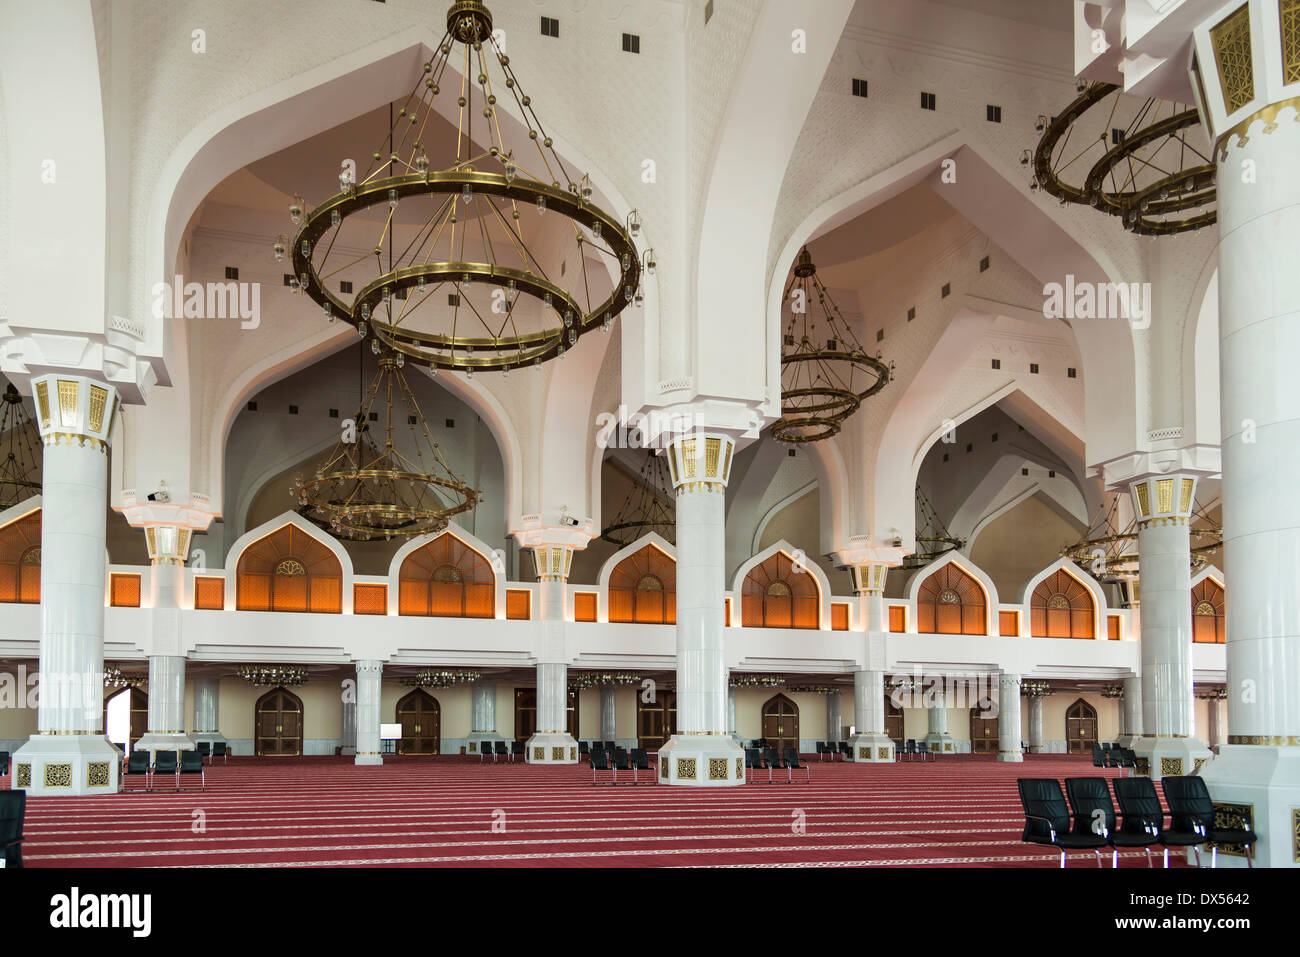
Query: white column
[(1009, 718), (69, 754), (1035, 723), (1132, 710), (551, 742), (1212, 714), (168, 545), (483, 716), (1168, 744), (701, 753), (166, 707), (731, 714), (871, 744), (834, 716), (369, 683), (608, 714), (348, 731), (939, 740), (207, 713)]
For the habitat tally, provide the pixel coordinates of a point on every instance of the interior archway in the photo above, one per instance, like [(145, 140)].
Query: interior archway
[(278, 724), (447, 579), (1062, 607), (420, 716), (289, 570), (778, 594)]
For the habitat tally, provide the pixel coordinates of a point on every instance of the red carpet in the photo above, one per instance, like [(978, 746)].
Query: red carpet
[(309, 812)]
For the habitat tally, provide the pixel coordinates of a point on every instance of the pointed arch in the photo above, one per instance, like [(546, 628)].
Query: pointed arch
[(780, 588), (20, 552), (1063, 601), (445, 576), (780, 717), (1209, 607), (945, 568), (640, 582), (319, 587)]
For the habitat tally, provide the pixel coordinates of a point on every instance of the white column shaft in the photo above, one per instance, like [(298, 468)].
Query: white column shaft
[(166, 694), (701, 665), (1009, 738), (369, 683), (1168, 702), (608, 714)]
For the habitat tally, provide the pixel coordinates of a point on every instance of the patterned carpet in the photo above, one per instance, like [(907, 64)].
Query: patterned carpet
[(310, 812)]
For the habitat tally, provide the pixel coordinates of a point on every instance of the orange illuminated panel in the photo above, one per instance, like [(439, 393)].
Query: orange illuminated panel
[(124, 591), (951, 602), (726, 611), (210, 593), (898, 618), (839, 616), (643, 588), (20, 560), (1208, 612), (1114, 628), (289, 570), (369, 599), (519, 604), (1061, 607), (1008, 624), (584, 606), (779, 594)]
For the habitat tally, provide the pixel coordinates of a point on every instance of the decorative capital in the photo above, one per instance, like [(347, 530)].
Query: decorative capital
[(1163, 500), (552, 562), (168, 544), (868, 578), (700, 462), (74, 409)]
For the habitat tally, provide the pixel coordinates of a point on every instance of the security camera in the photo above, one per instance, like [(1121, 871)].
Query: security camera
[(570, 521), (159, 496)]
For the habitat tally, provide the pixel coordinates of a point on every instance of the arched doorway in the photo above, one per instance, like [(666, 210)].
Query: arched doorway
[(781, 723), (983, 732), (421, 718), (129, 717), (1081, 727), (278, 724), (893, 721)]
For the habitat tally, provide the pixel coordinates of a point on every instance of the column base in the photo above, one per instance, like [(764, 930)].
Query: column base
[(941, 743), (154, 742), (551, 747), (367, 757), (1160, 756), (872, 749), (1128, 740), (474, 737), (66, 765), (1262, 783), (702, 761), (1012, 757)]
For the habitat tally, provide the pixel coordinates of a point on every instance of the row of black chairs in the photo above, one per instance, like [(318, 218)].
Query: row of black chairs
[(618, 759), (914, 749), (585, 750), (165, 762), (770, 759), (13, 806), (1113, 756), (4, 763), (498, 749), (1191, 817), (213, 750), (833, 748)]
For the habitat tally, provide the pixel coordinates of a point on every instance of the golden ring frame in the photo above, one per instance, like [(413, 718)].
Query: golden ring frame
[(1183, 191), (467, 352)]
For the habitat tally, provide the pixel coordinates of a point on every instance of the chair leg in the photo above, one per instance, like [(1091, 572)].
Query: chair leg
[(1197, 851), (1098, 854), (1250, 856), (1214, 856), (1166, 858), (1062, 850), (1114, 858)]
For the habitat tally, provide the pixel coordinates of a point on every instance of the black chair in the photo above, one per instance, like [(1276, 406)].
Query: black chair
[(13, 805), (640, 762), (772, 760), (621, 761), (583, 750), (516, 749), (499, 750), (822, 750), (923, 750), (164, 762), (1113, 758), (1127, 758), (910, 747), (600, 762), (1047, 819), (610, 746), (754, 761), (1098, 757), (1094, 812), (1140, 810), (138, 764), (485, 751), (790, 758), (204, 749), (1192, 811), (846, 751), (4, 763), (192, 763), (219, 751)]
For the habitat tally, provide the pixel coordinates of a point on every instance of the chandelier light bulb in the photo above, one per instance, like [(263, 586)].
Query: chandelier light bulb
[(295, 209), (392, 199), (278, 248), (541, 204)]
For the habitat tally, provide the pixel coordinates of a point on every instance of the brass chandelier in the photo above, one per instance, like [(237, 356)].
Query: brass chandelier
[(114, 679), (262, 676), (825, 373), (19, 479), (647, 507), (1141, 160), (441, 679), (1109, 553), (595, 679), (370, 489), (469, 286)]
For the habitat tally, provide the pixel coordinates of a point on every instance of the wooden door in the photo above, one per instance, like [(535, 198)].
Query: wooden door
[(893, 722), (1081, 727), (526, 713), (421, 718), (278, 724), (983, 733), (781, 723), (139, 715), (656, 721)]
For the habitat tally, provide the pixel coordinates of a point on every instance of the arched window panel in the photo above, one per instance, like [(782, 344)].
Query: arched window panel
[(445, 578), (1062, 607), (776, 594), (1208, 612), (289, 570), (20, 560), (951, 602), (643, 588)]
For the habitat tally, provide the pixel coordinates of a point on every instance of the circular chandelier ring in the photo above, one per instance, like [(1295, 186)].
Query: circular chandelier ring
[(1114, 202)]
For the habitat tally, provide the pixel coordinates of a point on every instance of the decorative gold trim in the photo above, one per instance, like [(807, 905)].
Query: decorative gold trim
[(882, 754), (712, 452), (1288, 15), (718, 769), (97, 774), (740, 769), (43, 403), (98, 402), (58, 775), (1266, 740), (686, 770), (23, 776), (1233, 56), (1144, 499), (557, 754), (64, 733), (539, 753), (1233, 817), (864, 754), (1185, 501), (725, 474), (701, 487), (1165, 495), (1268, 114), (663, 768), (52, 438), (688, 458), (150, 537), (1295, 831), (69, 396)]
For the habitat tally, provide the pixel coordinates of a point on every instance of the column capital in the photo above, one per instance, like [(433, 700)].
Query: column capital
[(74, 409), (570, 533), (1197, 461), (1163, 499), (552, 562), (195, 516), (700, 461)]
